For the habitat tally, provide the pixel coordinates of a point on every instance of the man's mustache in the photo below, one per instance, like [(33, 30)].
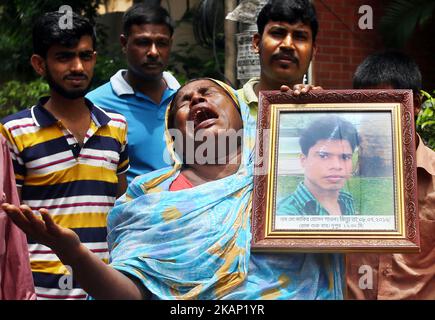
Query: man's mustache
[(76, 76), (285, 56), (152, 61)]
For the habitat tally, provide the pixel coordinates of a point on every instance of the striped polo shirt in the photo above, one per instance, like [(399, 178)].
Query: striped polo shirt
[(77, 184), (302, 202)]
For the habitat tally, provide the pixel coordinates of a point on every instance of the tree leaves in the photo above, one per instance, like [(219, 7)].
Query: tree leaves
[(402, 17), (426, 120), (16, 21), (15, 96)]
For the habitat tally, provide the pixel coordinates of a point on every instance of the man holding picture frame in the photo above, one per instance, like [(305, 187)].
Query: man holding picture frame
[(286, 44)]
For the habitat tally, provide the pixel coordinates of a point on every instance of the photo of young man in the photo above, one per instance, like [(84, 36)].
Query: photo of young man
[(327, 147)]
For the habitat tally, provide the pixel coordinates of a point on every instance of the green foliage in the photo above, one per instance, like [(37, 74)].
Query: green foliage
[(16, 21), (402, 17), (189, 61), (186, 64), (426, 120), (15, 95), (22, 88), (372, 195), (105, 68)]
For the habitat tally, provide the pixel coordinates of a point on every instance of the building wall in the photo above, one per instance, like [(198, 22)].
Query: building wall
[(342, 45), (421, 46)]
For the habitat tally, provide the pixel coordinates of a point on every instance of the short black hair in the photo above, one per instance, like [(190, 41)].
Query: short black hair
[(328, 128), (388, 68), (146, 14), (290, 11), (47, 31)]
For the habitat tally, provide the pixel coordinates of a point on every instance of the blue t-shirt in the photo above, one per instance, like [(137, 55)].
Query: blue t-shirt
[(145, 120)]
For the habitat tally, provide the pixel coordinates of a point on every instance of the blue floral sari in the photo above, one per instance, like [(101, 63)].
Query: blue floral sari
[(195, 243)]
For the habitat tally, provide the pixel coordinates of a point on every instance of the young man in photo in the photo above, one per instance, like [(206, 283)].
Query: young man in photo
[(327, 147)]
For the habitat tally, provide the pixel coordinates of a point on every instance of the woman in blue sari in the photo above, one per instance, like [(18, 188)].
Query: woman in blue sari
[(183, 232)]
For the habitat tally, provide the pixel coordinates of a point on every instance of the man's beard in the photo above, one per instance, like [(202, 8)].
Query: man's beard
[(67, 94)]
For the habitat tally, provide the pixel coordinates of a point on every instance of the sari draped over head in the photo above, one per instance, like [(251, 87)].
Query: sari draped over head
[(195, 243)]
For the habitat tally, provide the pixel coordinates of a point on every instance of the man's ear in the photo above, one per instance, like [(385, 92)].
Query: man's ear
[(123, 40), (313, 55), (38, 64), (302, 158), (256, 39)]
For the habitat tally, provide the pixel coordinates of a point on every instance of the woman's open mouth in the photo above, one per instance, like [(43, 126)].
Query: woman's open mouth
[(202, 117)]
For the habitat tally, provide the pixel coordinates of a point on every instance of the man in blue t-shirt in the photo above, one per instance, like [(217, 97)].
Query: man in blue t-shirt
[(142, 91)]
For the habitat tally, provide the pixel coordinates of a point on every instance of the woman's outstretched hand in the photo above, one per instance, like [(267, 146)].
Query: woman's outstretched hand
[(95, 277), (45, 230)]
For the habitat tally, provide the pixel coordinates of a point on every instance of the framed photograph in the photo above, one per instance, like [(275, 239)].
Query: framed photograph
[(335, 171)]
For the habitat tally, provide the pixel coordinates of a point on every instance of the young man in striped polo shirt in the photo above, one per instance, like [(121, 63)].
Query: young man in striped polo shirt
[(69, 155)]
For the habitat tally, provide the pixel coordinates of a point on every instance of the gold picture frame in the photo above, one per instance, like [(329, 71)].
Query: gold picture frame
[(360, 197)]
